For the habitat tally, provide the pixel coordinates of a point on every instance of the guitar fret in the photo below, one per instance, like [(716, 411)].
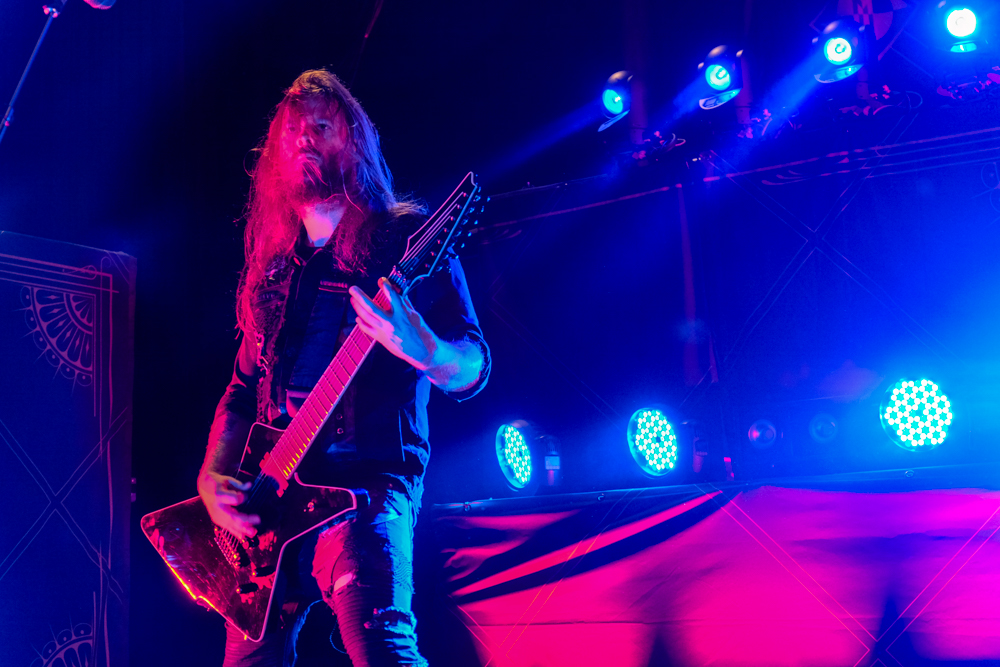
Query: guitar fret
[(322, 389), (347, 351), (333, 380), (307, 427), (315, 414), (333, 365), (318, 406), (355, 343)]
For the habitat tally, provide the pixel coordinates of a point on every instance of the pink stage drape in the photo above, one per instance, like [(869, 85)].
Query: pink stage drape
[(705, 575)]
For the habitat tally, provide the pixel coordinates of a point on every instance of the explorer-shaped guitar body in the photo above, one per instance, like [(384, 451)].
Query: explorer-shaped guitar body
[(237, 577)]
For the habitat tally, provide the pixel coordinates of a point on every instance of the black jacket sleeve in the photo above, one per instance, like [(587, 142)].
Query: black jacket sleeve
[(443, 300)]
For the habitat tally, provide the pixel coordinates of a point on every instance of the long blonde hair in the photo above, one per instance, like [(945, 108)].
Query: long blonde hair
[(273, 226)]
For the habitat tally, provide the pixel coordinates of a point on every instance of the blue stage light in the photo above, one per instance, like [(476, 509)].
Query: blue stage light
[(837, 50), (514, 456), (652, 441), (916, 414), (617, 96), (842, 45), (961, 22), (613, 102), (718, 77), (723, 77)]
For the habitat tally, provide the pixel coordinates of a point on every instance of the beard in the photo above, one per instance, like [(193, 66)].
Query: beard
[(311, 181)]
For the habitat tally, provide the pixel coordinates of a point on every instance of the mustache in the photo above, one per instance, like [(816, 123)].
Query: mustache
[(313, 168), (316, 178)]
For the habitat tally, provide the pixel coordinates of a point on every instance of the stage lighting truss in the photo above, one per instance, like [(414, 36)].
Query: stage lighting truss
[(916, 415), (842, 51), (721, 76), (616, 100), (652, 440)]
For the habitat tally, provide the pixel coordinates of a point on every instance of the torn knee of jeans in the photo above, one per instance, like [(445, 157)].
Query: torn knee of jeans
[(392, 619), (362, 576), (343, 580)]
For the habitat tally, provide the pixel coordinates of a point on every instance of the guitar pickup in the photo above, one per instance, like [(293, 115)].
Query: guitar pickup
[(263, 570)]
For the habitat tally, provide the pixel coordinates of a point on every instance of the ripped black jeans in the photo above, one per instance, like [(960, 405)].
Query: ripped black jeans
[(362, 567)]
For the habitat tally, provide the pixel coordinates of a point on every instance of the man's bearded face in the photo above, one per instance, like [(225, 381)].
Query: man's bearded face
[(312, 151)]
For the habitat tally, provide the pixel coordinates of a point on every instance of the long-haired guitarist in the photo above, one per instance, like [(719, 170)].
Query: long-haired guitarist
[(323, 227)]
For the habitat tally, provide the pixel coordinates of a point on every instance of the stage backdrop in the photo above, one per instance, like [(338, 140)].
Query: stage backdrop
[(897, 568), (66, 316)]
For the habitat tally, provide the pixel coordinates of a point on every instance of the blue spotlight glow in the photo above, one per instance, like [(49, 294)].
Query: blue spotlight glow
[(916, 415), (613, 102), (652, 441), (838, 50), (514, 456), (961, 22), (718, 77)]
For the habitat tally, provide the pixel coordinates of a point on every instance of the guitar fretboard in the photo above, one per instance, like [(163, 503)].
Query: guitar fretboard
[(319, 405)]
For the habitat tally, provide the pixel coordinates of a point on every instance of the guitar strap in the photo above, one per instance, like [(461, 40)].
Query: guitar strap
[(281, 349), (270, 306)]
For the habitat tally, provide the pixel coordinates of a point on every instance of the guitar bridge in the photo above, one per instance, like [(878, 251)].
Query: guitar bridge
[(231, 549)]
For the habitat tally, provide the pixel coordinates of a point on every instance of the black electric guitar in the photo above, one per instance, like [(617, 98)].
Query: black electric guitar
[(236, 576)]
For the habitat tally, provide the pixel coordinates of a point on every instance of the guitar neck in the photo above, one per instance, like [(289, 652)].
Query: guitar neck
[(286, 455)]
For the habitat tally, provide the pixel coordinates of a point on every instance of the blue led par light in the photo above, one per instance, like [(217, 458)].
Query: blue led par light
[(616, 100), (514, 455), (652, 439), (916, 414), (721, 76), (964, 26), (842, 51)]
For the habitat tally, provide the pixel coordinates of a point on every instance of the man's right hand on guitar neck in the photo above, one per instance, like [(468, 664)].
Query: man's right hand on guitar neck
[(221, 495)]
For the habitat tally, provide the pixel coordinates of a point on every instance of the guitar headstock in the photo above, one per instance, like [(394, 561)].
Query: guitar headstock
[(442, 234)]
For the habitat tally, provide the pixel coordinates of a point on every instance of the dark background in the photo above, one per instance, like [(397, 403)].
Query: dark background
[(135, 125)]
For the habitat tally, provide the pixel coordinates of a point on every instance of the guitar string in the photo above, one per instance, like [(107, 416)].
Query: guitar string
[(422, 245), (446, 209), (433, 231)]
